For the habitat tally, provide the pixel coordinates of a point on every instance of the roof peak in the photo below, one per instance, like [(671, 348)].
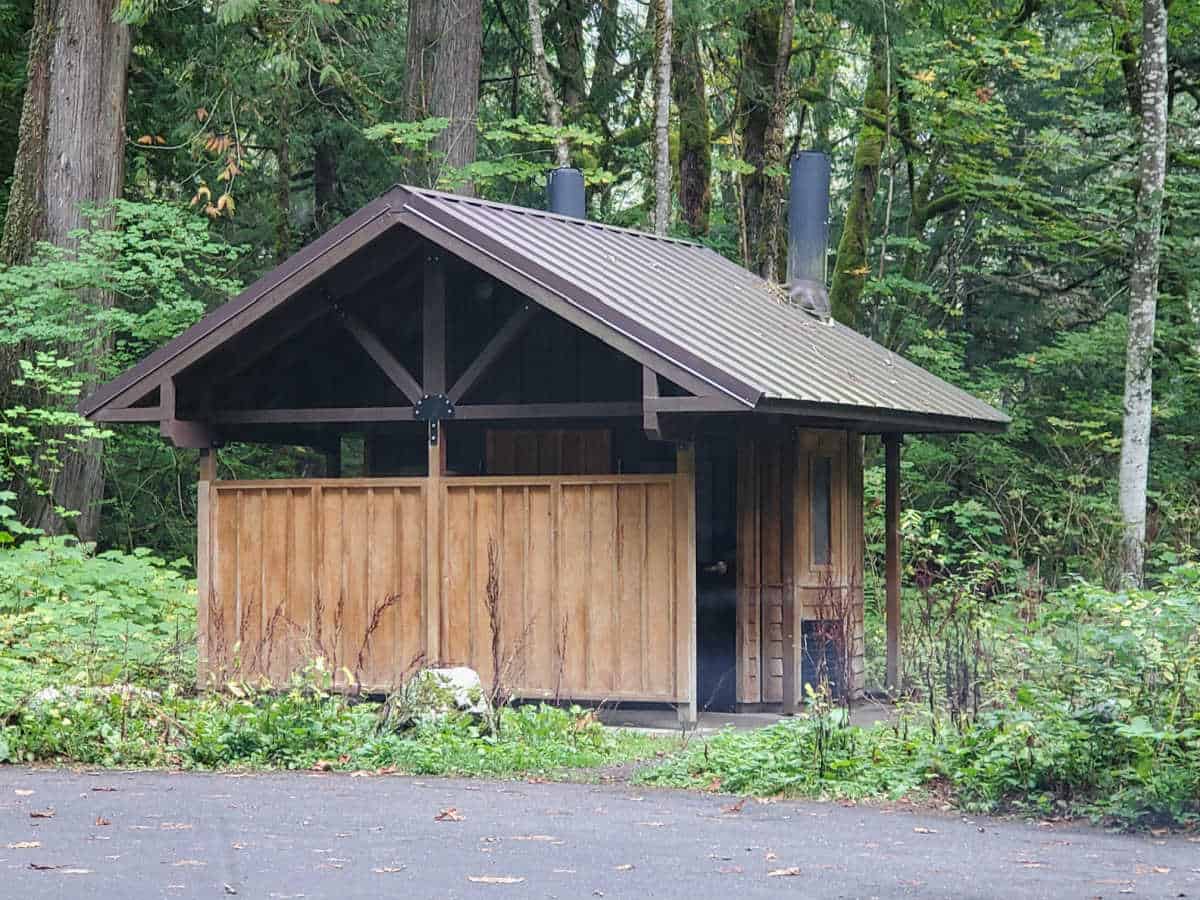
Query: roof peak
[(543, 214)]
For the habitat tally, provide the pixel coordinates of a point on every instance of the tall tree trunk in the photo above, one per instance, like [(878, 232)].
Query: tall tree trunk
[(771, 252), (664, 23), (562, 151), (757, 77), (566, 34), (283, 183), (695, 133), (850, 271), (72, 153), (444, 55), (1143, 291)]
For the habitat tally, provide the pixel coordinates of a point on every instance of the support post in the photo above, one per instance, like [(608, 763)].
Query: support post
[(685, 573), (787, 563), (891, 443), (434, 612), (208, 464)]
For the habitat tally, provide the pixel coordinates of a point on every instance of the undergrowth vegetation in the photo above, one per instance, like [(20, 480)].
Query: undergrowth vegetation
[(1085, 702)]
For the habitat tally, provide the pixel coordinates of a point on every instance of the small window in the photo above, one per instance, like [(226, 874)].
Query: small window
[(820, 510)]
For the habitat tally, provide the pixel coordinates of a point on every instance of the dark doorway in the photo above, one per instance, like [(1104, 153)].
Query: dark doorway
[(716, 578)]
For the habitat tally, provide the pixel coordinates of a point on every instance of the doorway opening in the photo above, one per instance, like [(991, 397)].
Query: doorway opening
[(716, 576)]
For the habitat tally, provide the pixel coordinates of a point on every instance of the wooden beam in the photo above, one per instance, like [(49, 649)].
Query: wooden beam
[(129, 414), (433, 324), (891, 443), (508, 334), (706, 403), (788, 462), (649, 412), (313, 415), (587, 410), (384, 358)]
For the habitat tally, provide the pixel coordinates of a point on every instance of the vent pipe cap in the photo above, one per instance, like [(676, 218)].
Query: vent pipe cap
[(808, 232), (564, 193)]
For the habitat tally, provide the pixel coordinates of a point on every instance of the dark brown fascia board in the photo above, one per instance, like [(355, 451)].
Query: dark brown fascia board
[(873, 420), (570, 302), (274, 288)]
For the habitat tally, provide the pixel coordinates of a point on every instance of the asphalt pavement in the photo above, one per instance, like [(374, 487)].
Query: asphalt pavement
[(129, 836)]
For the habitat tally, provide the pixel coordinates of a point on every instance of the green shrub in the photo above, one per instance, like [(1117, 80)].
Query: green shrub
[(69, 616)]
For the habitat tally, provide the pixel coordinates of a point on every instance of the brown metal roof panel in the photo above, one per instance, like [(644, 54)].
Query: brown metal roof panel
[(694, 299)]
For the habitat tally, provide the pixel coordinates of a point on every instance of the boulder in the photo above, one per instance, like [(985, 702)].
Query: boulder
[(434, 693)]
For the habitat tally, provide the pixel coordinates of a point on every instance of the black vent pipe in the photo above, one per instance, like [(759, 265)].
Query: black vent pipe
[(564, 193), (808, 232)]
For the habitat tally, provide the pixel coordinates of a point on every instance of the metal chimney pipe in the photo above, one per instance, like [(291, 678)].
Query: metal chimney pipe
[(564, 193), (808, 232)]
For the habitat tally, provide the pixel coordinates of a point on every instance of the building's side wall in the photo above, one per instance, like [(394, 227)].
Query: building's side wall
[(829, 593)]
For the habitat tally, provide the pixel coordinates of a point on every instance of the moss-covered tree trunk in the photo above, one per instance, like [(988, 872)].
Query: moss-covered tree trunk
[(850, 270), (771, 253), (444, 54), (757, 77), (72, 154), (695, 132)]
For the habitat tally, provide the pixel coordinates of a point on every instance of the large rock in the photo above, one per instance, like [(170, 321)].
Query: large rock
[(435, 693)]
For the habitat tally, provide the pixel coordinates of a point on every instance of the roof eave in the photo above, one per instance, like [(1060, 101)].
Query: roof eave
[(880, 420)]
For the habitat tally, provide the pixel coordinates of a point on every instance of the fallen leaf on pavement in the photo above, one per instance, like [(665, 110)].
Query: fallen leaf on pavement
[(729, 870), (175, 826), (230, 889), (189, 862), (387, 870), (495, 879), (42, 867), (653, 824), (734, 808), (23, 792), (533, 837), (788, 872), (921, 829), (449, 814), (101, 821), (24, 845), (624, 867), (41, 813), (71, 871), (104, 788)]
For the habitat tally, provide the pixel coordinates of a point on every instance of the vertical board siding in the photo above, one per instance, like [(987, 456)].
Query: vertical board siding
[(305, 569), (593, 571), (591, 559), (821, 591)]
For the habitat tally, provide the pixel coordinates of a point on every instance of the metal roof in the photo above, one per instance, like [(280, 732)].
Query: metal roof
[(673, 300)]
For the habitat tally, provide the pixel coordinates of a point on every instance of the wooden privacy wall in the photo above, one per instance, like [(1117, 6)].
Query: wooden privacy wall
[(292, 570), (766, 572), (595, 580), (595, 577)]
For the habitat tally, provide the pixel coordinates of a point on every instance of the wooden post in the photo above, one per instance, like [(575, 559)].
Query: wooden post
[(685, 574), (208, 473), (891, 443), (788, 461), (434, 612), (208, 465)]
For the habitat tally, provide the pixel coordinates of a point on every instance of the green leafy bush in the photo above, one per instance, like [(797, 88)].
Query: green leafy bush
[(68, 616)]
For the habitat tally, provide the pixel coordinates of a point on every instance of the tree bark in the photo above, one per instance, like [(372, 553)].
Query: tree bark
[(695, 131), (850, 271), (772, 247), (758, 56), (72, 154), (562, 151), (664, 24), (1143, 291), (444, 56)]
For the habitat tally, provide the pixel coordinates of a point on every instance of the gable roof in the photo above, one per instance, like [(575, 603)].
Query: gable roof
[(679, 302)]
